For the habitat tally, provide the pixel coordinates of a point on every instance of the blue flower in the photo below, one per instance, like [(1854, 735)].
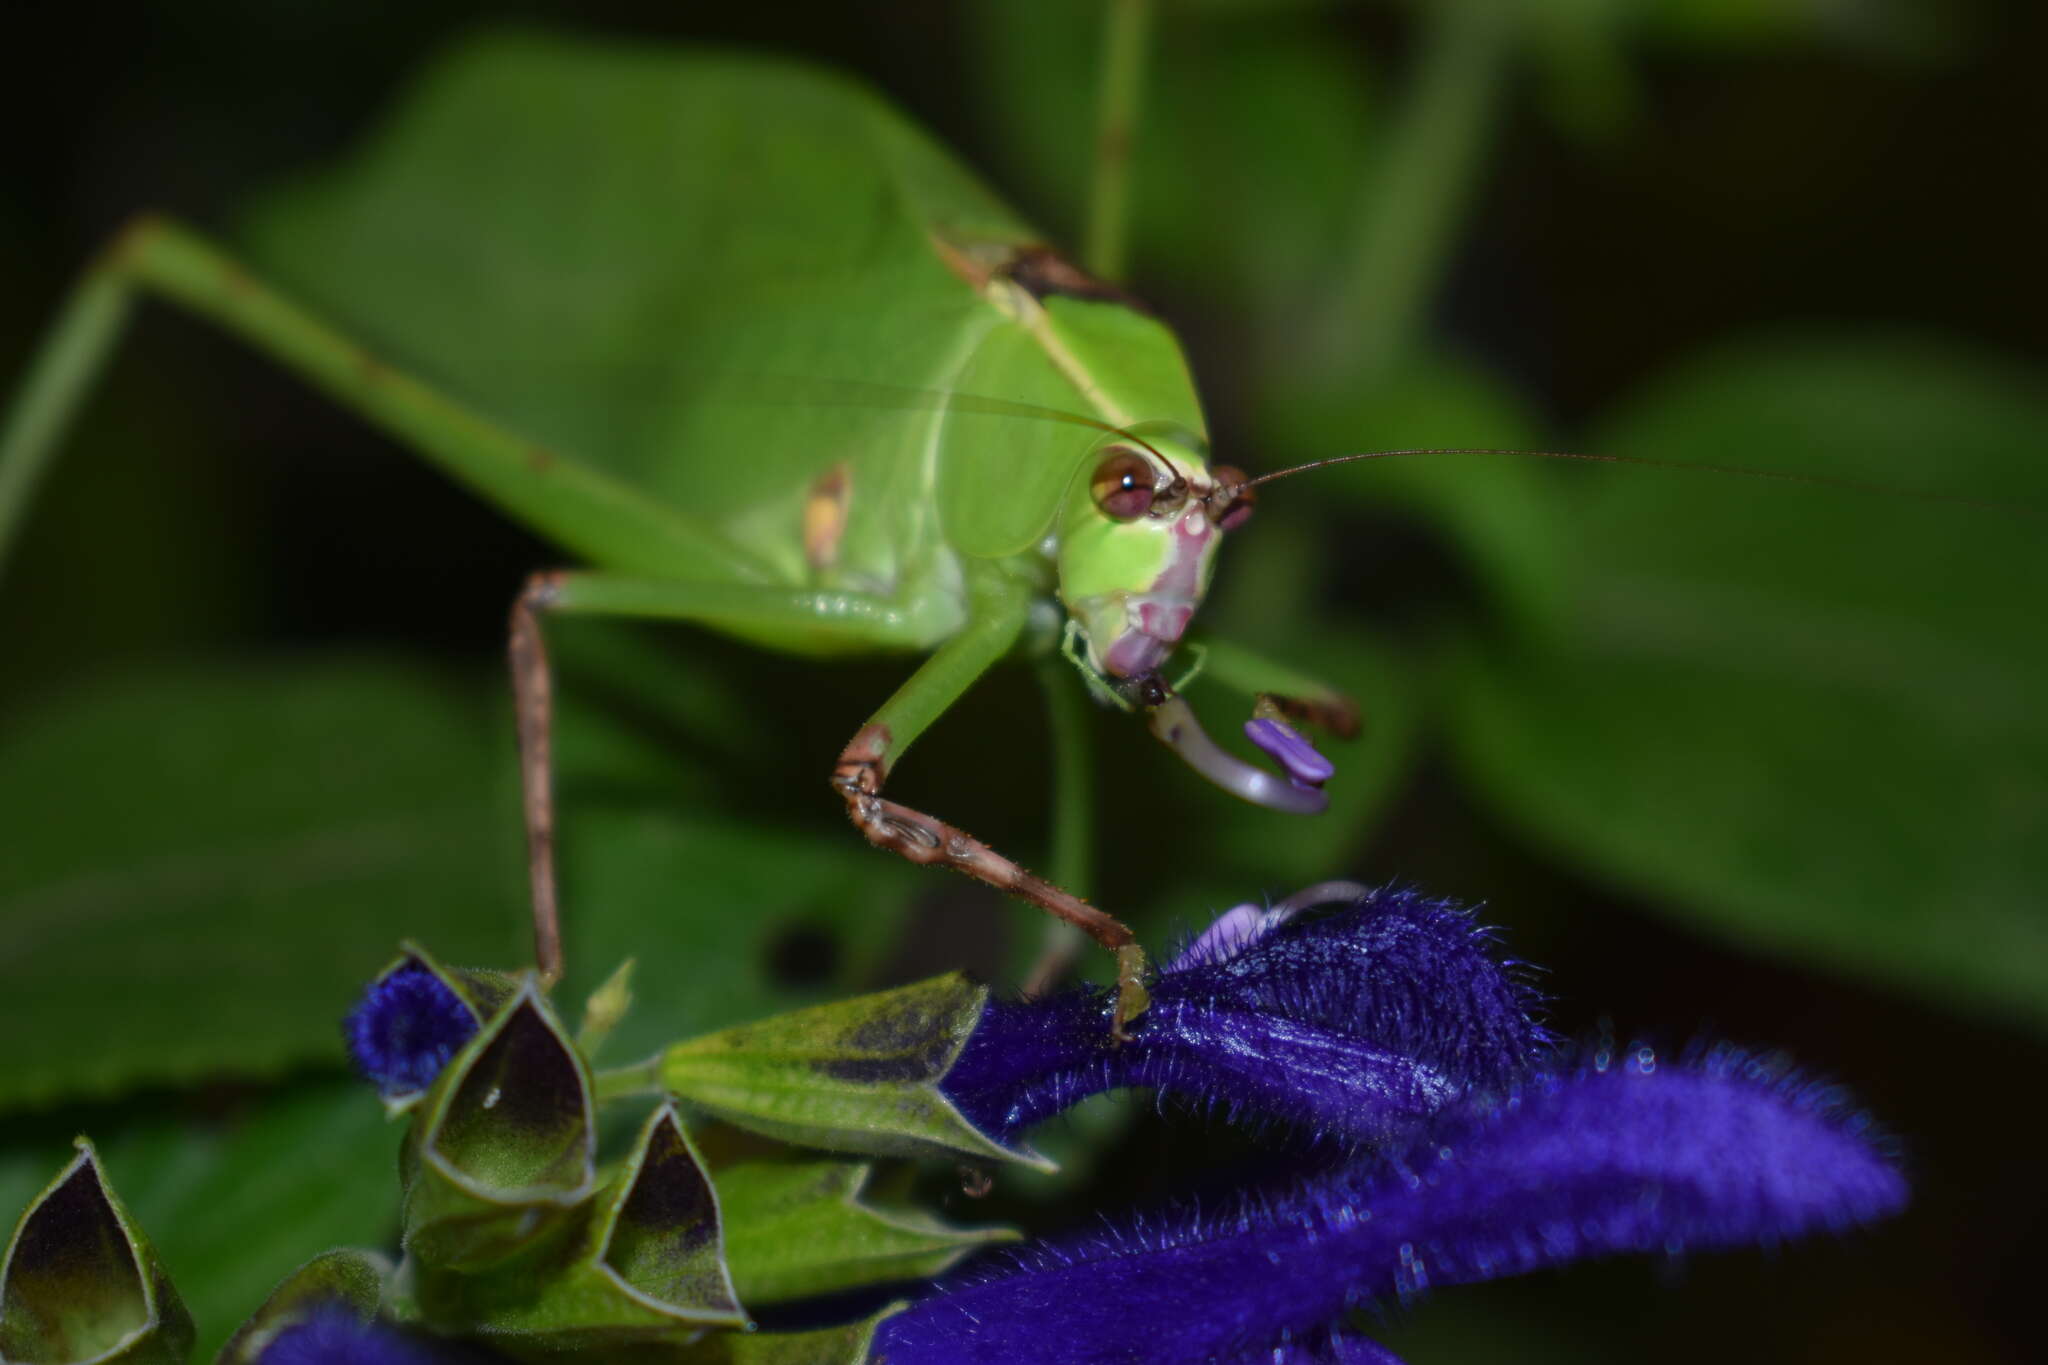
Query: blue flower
[(405, 1028), (1589, 1161), (334, 1336), (1354, 1026)]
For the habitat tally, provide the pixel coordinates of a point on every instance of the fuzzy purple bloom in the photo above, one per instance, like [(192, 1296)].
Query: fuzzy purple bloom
[(1726, 1151), (1298, 758), (334, 1336), (1354, 1025), (405, 1028)]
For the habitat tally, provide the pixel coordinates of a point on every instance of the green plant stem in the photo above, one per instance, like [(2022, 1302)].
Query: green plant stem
[(624, 1082), (1072, 860), (57, 380), (1417, 188), (1125, 36)]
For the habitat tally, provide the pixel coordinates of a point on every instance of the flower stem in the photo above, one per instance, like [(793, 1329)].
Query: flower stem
[(624, 1082), (1126, 25)]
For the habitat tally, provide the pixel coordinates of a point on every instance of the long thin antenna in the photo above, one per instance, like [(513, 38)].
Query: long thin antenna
[(1775, 475), (862, 393)]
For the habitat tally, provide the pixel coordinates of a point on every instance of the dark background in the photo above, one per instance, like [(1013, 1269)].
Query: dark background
[(1909, 194)]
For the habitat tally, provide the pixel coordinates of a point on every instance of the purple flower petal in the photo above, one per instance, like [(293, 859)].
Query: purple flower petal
[(405, 1028), (1291, 750), (1232, 932), (334, 1336), (1633, 1158), (1354, 1025)]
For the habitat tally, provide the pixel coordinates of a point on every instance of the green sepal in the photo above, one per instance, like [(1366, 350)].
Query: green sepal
[(798, 1229), (348, 1278), (642, 1267), (81, 1283), (483, 991), (505, 1144), (847, 1344), (860, 1075)]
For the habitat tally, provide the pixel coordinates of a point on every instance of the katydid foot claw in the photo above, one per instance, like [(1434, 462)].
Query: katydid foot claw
[(1132, 999)]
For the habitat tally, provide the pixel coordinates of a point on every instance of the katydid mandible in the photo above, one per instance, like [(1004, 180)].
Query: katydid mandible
[(912, 507)]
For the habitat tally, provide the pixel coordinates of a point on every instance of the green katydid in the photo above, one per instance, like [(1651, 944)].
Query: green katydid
[(982, 418), (893, 513)]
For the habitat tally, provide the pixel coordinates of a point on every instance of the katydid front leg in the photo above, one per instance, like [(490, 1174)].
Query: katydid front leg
[(999, 607)]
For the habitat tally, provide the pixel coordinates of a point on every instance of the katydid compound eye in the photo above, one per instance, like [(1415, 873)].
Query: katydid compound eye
[(1123, 485), (1235, 513)]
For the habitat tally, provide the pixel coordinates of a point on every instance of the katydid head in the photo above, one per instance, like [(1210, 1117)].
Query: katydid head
[(1137, 544)]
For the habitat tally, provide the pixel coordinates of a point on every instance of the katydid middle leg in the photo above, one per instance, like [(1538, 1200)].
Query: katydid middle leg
[(998, 611)]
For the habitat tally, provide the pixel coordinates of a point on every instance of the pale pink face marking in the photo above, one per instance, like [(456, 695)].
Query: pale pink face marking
[(1161, 613)]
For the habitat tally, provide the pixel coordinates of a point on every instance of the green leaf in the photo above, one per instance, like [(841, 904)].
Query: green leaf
[(799, 1229), (346, 1278), (845, 1345), (1805, 718), (253, 837), (643, 1265), (80, 1282), (861, 1075), (505, 1144)]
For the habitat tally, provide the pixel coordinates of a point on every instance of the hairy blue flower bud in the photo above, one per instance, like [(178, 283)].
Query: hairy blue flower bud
[(1355, 1025), (407, 1025), (1724, 1152)]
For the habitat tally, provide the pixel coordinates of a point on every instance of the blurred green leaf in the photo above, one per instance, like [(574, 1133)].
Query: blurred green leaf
[(1495, 509), (799, 1229), (232, 1203), (1808, 718), (257, 838)]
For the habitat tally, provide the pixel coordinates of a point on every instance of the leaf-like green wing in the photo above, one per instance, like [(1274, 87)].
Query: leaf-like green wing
[(613, 250)]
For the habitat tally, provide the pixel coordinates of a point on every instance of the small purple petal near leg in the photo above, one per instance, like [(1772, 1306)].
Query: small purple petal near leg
[(1233, 931), (1291, 750)]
